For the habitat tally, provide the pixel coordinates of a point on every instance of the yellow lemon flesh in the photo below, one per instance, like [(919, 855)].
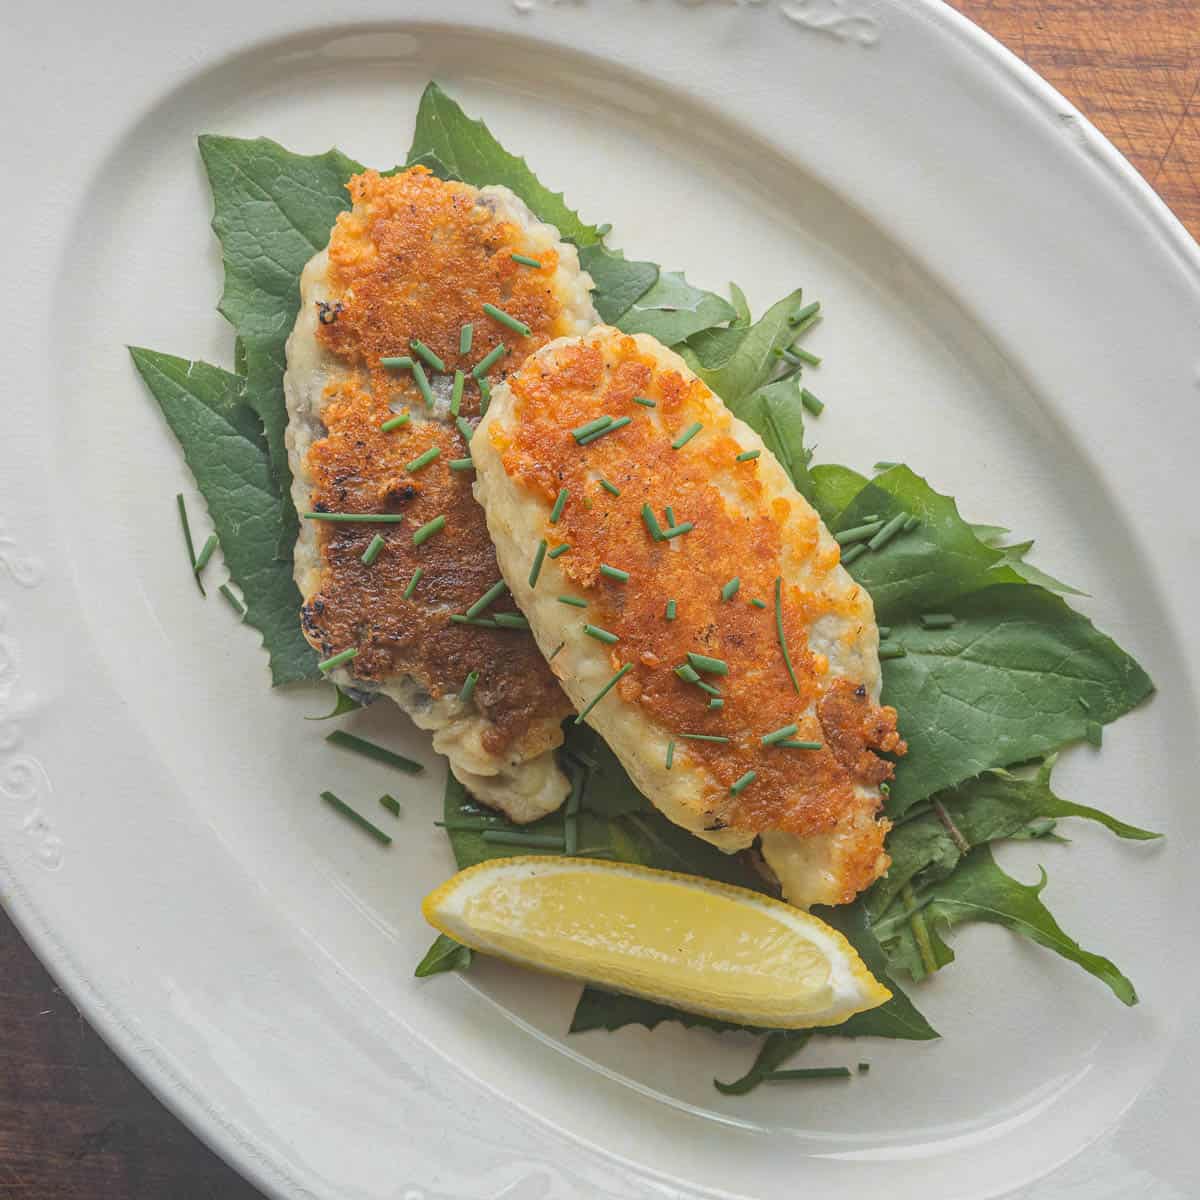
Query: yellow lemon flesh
[(698, 945)]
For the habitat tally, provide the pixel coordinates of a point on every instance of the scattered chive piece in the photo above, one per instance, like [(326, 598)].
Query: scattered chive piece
[(711, 666), (677, 530), (858, 533), (863, 1067), (362, 518), (465, 336), (468, 687), (670, 753), (465, 431), (789, 355), (237, 606), (807, 1073), (507, 620), (744, 782), (539, 557), (559, 551), (206, 553), (357, 818), (423, 460), (604, 230), (498, 314), (810, 402), (481, 622), (938, 620), (419, 347), (371, 553), (669, 513), (396, 362), (747, 455), (813, 360), (708, 687), (534, 841), (592, 426), (885, 631), (422, 382), (456, 393), (619, 423), (525, 260), (793, 744), (802, 314), (758, 603), (394, 423), (473, 824), (554, 652), (339, 737), (412, 583), (493, 593), (687, 435), (731, 588), (390, 803), (187, 537), (884, 465), (778, 735), (610, 488), (485, 396), (891, 650), (461, 464), (853, 553), (337, 660), (489, 360), (716, 702), (911, 524), (608, 687), (652, 523), (614, 573), (888, 532), (645, 402), (428, 530), (601, 635), (687, 673), (787, 658), (559, 504), (704, 737), (1095, 733), (1082, 702), (573, 601)]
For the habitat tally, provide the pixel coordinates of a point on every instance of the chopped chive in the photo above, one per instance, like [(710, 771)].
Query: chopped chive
[(787, 658), (554, 652), (794, 744), (758, 603), (670, 753), (559, 551), (889, 531), (371, 553), (885, 631), (359, 820), (507, 620), (493, 593), (456, 393), (651, 522), (237, 606), (788, 355), (462, 464), (465, 430), (810, 402), (339, 737), (707, 687), (687, 673), (687, 435), (485, 396), (711, 666), (1094, 733), (601, 635), (858, 533), (423, 460), (669, 513), (526, 261), (592, 426), (884, 465), (187, 537), (743, 782), (419, 347), (716, 702), (489, 360), (394, 423), (559, 504), (480, 622), (412, 583), (610, 488), (731, 588), (533, 841), (940, 620), (573, 601), (778, 735), (614, 573), (473, 824), (356, 518), (465, 336), (206, 552), (396, 362), (672, 608), (390, 803), (863, 1067), (337, 660), (747, 455), (807, 356), (807, 1073), (1082, 702), (619, 423), (705, 737), (677, 531), (608, 687), (891, 650), (645, 402), (422, 382), (428, 530), (468, 687), (911, 523), (539, 557), (853, 553), (498, 314), (802, 314)]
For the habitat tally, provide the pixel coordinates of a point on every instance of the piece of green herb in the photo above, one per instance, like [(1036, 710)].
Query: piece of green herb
[(444, 955), (356, 817), (422, 535), (614, 573), (337, 660), (371, 553), (394, 422), (489, 360), (608, 687), (510, 322), (687, 435), (389, 758), (468, 687), (560, 503), (488, 598), (730, 589)]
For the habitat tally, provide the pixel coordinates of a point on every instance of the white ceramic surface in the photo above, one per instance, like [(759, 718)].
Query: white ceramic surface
[(1010, 310)]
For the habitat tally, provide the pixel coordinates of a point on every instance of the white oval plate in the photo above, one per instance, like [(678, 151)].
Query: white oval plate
[(1011, 310)]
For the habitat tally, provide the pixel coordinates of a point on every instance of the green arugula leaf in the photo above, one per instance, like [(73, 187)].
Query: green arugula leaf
[(619, 281), (202, 406), (741, 307), (467, 148), (673, 310), (343, 703), (430, 161), (598, 1009), (833, 488), (1014, 557), (774, 1052), (444, 955), (608, 792), (774, 412)]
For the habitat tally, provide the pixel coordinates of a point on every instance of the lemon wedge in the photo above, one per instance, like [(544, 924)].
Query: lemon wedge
[(702, 946)]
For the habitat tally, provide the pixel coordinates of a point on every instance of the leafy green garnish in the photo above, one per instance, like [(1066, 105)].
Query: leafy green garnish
[(776, 1049), (833, 488), (774, 413), (619, 281), (201, 404), (444, 955), (673, 310), (342, 704)]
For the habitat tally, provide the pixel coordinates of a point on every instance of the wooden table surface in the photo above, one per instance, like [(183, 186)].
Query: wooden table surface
[(74, 1123)]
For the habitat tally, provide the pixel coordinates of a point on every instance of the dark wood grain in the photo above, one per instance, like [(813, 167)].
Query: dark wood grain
[(74, 1123)]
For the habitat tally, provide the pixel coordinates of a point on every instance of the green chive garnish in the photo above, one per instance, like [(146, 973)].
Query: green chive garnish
[(357, 818), (614, 573), (610, 488), (687, 673), (670, 753), (652, 523), (619, 423), (747, 455), (938, 620), (744, 782), (419, 347), (396, 362), (539, 556), (356, 518), (573, 601), (885, 631), (853, 553), (669, 513), (339, 737), (559, 551), (468, 687), (1082, 702), (461, 464), (758, 603), (533, 841), (390, 803), (465, 337), (234, 603), (498, 314), (705, 737), (412, 583), (493, 593), (601, 635), (731, 588), (791, 744), (716, 702), (687, 435), (187, 537), (806, 1073), (1094, 732), (507, 620), (863, 1067), (456, 393), (422, 382), (206, 552), (911, 523), (485, 396), (525, 261), (489, 360), (559, 504), (858, 533), (480, 622), (608, 687), (672, 608), (884, 465), (677, 531), (554, 652), (778, 735), (371, 553), (710, 666), (813, 360), (592, 426), (787, 658), (423, 460), (428, 530), (394, 423), (802, 314), (465, 430), (810, 402), (708, 687), (645, 402), (888, 532), (891, 650), (337, 660)]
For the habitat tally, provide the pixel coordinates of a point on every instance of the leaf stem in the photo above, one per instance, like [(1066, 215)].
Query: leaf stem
[(953, 830), (919, 928)]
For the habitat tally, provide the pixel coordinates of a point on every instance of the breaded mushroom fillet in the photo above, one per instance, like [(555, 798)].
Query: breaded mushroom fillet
[(680, 571), (413, 262)]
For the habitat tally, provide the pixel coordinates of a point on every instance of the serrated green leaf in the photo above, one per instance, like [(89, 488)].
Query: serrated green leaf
[(444, 955), (833, 488), (343, 703), (673, 310), (1014, 557), (741, 307), (619, 281), (200, 403), (431, 162)]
